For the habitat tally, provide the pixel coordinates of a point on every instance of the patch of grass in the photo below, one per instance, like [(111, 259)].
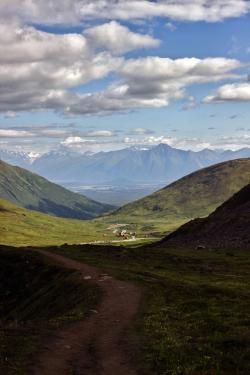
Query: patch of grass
[(22, 227), (35, 297), (195, 316)]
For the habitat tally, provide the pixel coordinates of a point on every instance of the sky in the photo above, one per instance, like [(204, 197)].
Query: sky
[(108, 74)]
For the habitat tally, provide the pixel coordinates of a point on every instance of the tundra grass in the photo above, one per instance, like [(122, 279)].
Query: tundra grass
[(195, 316), (36, 297), (22, 227)]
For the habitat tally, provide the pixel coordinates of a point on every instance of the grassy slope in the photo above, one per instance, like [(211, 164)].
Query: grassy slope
[(36, 300), (196, 195), (21, 227), (29, 190), (195, 315)]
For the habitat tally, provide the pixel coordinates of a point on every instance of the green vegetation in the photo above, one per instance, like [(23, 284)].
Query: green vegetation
[(29, 190), (36, 297), (21, 227), (195, 316), (196, 195)]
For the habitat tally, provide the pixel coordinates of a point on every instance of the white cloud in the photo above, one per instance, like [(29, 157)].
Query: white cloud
[(10, 114), (76, 11), (149, 141), (119, 39), (238, 92), (25, 44), (194, 144), (233, 142), (76, 141), (100, 133), (10, 133), (42, 71), (37, 68), (153, 82)]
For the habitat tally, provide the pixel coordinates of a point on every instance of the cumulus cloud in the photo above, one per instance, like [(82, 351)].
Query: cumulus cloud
[(37, 68), (238, 92), (119, 39), (76, 11), (153, 82), (43, 71)]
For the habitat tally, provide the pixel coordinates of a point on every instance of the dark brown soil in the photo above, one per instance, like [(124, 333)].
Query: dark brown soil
[(100, 344), (228, 226)]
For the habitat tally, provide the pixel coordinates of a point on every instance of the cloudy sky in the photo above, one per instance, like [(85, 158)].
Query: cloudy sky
[(106, 74)]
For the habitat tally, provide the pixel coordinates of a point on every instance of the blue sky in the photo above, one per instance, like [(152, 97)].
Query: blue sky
[(169, 75)]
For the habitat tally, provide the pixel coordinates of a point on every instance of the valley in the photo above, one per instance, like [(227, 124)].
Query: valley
[(116, 193), (119, 176), (177, 286), (124, 187)]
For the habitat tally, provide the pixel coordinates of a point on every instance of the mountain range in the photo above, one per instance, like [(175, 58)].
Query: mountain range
[(32, 191), (162, 164)]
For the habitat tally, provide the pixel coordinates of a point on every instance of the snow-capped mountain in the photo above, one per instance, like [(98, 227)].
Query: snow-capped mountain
[(160, 163), (18, 158)]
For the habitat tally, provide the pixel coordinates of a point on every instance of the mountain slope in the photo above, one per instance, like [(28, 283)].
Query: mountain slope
[(22, 227), (195, 195), (34, 192), (227, 226)]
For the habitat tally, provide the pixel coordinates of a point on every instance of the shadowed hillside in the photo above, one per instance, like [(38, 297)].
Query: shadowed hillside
[(196, 195), (31, 191), (39, 298), (228, 226)]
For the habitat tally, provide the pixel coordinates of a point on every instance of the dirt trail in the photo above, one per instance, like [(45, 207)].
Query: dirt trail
[(97, 345)]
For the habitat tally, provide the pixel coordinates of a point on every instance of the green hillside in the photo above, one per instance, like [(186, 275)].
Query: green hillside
[(196, 195), (22, 227), (31, 191)]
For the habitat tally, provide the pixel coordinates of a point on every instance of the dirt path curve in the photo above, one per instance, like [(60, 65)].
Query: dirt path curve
[(98, 345)]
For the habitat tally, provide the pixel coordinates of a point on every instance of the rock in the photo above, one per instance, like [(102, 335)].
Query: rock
[(200, 247), (87, 278)]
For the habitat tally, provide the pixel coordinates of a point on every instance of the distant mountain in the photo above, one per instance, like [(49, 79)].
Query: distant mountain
[(195, 195), (21, 159), (29, 190), (162, 164), (228, 226)]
